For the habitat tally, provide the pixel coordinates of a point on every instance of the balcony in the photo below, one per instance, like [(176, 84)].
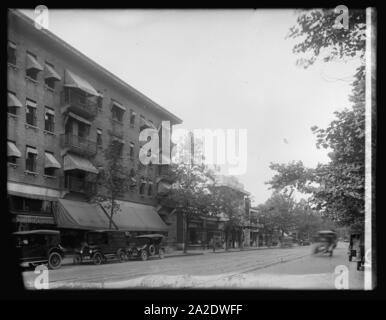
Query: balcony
[(76, 101), (74, 184), (78, 145)]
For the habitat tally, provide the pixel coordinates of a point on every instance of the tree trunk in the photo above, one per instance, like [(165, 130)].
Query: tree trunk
[(111, 217), (186, 239)]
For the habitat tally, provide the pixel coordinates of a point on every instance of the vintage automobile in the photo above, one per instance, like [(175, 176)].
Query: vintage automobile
[(37, 247), (325, 242), (100, 246), (356, 250), (145, 246)]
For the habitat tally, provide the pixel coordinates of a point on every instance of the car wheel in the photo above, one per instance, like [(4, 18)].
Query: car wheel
[(54, 260), (350, 257), (121, 256), (152, 250), (77, 259), (161, 253), (144, 255), (97, 258)]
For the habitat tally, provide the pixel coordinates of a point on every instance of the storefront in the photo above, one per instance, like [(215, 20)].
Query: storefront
[(31, 206)]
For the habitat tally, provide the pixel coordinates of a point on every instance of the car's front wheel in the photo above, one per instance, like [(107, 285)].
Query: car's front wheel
[(97, 258), (77, 259), (121, 256), (144, 255), (54, 260)]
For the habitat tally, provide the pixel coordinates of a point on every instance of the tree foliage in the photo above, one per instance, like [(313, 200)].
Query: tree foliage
[(319, 37), (336, 188)]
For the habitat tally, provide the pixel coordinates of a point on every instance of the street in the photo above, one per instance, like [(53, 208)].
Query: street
[(292, 268)]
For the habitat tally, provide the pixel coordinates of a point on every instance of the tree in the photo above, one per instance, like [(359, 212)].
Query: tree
[(320, 37), (113, 181), (336, 188), (189, 193), (229, 202)]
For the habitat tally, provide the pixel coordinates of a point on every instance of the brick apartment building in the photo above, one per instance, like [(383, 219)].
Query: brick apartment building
[(63, 111)]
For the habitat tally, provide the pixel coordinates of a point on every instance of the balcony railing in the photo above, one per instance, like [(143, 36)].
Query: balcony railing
[(79, 103), (78, 144), (74, 184)]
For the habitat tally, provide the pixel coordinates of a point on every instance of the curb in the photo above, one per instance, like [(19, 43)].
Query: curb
[(217, 252)]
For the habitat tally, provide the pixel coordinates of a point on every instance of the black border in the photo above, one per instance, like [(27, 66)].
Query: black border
[(12, 284)]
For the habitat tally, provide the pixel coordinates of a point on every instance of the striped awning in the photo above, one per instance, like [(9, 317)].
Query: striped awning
[(51, 73), (51, 162), (73, 162), (32, 63), (118, 105), (13, 151), (74, 81), (13, 101), (31, 150)]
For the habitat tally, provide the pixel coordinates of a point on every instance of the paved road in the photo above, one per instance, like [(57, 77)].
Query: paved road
[(253, 269)]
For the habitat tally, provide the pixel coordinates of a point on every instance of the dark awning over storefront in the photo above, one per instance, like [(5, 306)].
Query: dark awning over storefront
[(138, 217), (80, 215)]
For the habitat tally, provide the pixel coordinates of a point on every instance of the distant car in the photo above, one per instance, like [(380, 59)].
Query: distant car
[(305, 242), (102, 245), (145, 246), (37, 247)]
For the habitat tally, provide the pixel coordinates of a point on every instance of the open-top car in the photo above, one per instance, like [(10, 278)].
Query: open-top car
[(145, 246), (39, 247), (102, 245), (325, 242)]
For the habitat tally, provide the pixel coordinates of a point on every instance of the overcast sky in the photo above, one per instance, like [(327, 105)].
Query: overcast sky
[(219, 69)]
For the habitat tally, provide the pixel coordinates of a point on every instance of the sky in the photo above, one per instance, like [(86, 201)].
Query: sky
[(219, 69)]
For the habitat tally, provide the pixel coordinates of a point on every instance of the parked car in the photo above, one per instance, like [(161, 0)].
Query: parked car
[(102, 245), (356, 249), (145, 246), (37, 247)]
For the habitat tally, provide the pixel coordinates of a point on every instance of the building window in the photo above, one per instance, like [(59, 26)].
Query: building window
[(12, 152), (51, 76), (30, 159), (132, 118), (13, 103), (12, 159), (99, 137), (49, 171), (150, 189), (118, 148), (26, 204), (142, 186), (100, 100), (33, 67), (117, 114), (133, 182), (49, 120), (131, 152), (11, 51), (31, 113)]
